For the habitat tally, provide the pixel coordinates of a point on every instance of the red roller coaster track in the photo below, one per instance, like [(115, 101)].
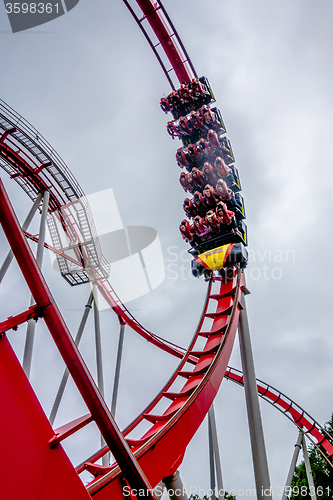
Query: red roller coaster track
[(143, 462)]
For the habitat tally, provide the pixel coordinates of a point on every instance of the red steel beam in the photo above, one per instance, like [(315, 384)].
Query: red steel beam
[(152, 14), (34, 312), (68, 350), (67, 430)]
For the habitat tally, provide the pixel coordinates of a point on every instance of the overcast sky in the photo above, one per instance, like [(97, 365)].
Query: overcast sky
[(90, 84)]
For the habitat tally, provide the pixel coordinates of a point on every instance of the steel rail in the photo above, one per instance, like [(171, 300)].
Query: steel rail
[(29, 138), (67, 348), (316, 433), (40, 150), (198, 392), (188, 59), (152, 46), (303, 421), (168, 38), (189, 405), (120, 309), (153, 338), (93, 458), (28, 158), (14, 125), (114, 302)]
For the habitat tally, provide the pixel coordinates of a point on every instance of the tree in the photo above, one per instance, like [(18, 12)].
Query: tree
[(227, 496), (322, 474)]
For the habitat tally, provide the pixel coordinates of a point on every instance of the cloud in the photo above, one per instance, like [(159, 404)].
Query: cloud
[(93, 91)]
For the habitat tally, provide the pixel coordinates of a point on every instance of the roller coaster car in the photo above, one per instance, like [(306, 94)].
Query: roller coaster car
[(233, 181), (221, 252), (179, 109), (197, 133), (240, 201), (219, 258), (219, 119), (228, 155)]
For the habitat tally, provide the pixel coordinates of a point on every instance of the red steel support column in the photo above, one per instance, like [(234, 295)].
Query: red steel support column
[(68, 350)]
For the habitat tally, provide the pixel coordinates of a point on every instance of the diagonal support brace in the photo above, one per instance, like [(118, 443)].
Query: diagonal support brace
[(11, 323), (68, 350)]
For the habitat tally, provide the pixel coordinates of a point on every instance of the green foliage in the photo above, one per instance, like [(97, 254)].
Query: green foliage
[(196, 497), (226, 497), (322, 474), (229, 497)]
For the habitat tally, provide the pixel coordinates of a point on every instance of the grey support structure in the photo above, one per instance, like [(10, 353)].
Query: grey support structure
[(312, 490), (25, 226), (298, 446), (99, 360), (29, 341), (64, 379), (253, 410), (175, 487), (117, 370), (215, 462)]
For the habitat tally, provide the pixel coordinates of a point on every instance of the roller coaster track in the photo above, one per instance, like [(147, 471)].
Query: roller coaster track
[(140, 462), (29, 159), (307, 424), (300, 418)]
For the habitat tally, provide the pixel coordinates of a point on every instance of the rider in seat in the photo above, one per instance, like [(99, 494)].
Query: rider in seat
[(186, 182), (208, 173), (187, 232), (213, 222), (189, 208), (210, 199), (221, 168)]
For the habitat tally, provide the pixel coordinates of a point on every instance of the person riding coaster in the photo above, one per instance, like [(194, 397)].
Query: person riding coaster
[(193, 153), (196, 87), (208, 173), (189, 209), (173, 130), (198, 203), (175, 100), (227, 219), (201, 229), (183, 158), (187, 232), (209, 198), (185, 126), (213, 221), (196, 120), (198, 178), (204, 147), (166, 105), (186, 181), (185, 93), (221, 168), (227, 196), (208, 117), (213, 139), (221, 144)]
